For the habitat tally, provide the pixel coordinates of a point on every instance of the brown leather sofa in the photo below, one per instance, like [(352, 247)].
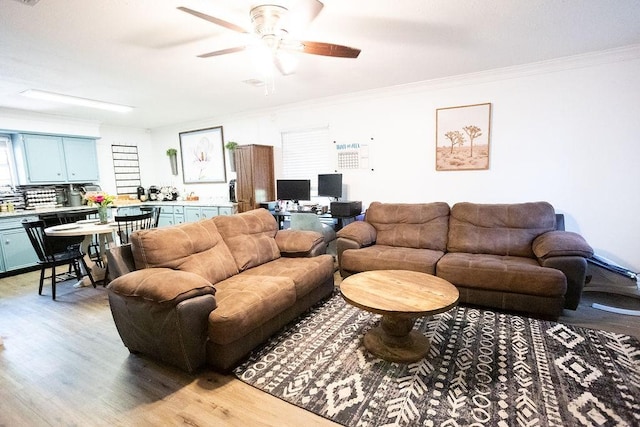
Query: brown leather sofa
[(211, 291), (505, 256)]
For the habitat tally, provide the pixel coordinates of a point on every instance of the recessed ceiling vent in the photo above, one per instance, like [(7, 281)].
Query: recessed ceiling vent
[(28, 2), (254, 82)]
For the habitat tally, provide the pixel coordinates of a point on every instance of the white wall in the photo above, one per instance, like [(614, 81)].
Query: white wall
[(562, 131)]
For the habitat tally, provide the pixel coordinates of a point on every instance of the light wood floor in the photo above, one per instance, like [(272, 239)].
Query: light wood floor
[(62, 363)]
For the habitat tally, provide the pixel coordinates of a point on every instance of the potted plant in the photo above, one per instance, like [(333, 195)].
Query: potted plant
[(231, 147), (173, 160)]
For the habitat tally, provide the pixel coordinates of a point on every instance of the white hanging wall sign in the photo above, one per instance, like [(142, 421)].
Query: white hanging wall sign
[(352, 155)]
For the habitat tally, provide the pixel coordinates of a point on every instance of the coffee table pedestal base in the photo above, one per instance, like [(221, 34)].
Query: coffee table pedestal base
[(396, 341)]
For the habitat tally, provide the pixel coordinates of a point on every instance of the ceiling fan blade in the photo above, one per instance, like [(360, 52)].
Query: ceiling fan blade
[(223, 52), (216, 21), (300, 15), (328, 49)]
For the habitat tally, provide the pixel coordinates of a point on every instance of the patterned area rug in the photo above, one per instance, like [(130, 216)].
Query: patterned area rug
[(483, 369)]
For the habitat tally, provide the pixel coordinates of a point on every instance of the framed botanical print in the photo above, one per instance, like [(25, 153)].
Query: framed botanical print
[(202, 153)]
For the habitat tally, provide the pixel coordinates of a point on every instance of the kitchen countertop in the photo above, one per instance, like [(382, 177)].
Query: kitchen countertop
[(198, 203), (32, 212)]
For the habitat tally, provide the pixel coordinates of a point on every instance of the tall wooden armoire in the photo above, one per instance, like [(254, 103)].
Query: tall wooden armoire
[(255, 177)]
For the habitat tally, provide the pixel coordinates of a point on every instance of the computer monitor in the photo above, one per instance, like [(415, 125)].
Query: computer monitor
[(330, 185), (293, 189)]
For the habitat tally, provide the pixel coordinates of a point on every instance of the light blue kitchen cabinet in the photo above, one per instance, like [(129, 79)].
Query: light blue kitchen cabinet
[(128, 210), (192, 214), (196, 213), (171, 215), (81, 159), (43, 158), (17, 251), (208, 212), (2, 269), (55, 159), (226, 210)]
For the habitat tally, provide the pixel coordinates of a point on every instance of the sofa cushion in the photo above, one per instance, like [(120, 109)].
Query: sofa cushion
[(306, 273), (498, 229), (245, 302), (195, 247), (519, 275), (381, 257), (419, 225), (250, 237)]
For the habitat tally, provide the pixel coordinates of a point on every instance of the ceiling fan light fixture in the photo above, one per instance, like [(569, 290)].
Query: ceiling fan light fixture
[(267, 19)]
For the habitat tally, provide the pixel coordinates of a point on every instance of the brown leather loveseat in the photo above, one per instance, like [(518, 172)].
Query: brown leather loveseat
[(505, 256), (211, 291)]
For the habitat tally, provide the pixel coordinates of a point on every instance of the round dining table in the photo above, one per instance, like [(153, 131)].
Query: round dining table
[(88, 228)]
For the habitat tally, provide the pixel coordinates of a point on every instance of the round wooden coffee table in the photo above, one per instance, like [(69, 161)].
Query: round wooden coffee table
[(401, 297)]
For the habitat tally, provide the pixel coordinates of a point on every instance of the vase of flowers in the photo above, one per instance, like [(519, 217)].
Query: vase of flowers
[(102, 202)]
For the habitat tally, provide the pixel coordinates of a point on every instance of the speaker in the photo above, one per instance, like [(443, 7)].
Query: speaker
[(346, 209)]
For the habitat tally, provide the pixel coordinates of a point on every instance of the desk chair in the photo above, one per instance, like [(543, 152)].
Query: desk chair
[(310, 221), (53, 252)]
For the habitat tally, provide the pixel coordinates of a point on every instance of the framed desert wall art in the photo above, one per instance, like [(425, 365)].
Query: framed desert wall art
[(202, 153), (462, 137)]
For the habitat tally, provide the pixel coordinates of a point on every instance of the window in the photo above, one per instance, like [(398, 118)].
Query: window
[(6, 162), (306, 153)]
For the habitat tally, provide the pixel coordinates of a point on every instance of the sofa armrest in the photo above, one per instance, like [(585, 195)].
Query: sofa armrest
[(575, 270), (561, 243), (300, 243), (176, 335), (361, 232), (161, 285), (567, 252), (163, 313)]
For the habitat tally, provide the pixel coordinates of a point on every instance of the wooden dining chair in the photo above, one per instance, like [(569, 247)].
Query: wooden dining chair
[(56, 251), (127, 224), (69, 217), (156, 213)]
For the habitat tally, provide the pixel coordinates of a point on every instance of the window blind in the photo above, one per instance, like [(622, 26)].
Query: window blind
[(306, 153)]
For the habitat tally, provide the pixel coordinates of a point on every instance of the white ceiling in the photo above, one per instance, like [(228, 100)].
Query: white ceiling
[(142, 53)]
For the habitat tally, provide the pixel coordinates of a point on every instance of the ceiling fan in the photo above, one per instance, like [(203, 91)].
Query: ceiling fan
[(276, 27)]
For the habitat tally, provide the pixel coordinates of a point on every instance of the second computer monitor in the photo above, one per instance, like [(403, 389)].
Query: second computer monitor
[(330, 185)]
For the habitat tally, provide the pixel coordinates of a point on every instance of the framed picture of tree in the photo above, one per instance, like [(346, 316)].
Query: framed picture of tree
[(462, 137)]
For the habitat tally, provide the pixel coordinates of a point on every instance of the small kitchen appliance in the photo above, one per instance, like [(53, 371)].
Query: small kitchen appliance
[(154, 193)]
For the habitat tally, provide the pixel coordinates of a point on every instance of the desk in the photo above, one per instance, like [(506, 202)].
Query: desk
[(341, 221), (87, 229)]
